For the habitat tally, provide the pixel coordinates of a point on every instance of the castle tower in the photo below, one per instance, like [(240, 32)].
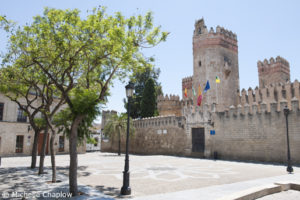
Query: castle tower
[(215, 54), (273, 71), (169, 105)]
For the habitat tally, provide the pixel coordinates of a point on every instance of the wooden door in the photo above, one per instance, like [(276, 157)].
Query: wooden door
[(40, 143), (198, 140)]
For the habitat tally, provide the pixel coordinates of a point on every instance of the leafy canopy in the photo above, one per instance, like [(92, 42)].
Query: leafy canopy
[(83, 56)]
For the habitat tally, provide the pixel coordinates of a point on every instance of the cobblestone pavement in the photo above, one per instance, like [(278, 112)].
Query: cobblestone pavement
[(100, 174)]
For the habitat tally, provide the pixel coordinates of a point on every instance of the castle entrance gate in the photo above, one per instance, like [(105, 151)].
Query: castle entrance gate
[(198, 140)]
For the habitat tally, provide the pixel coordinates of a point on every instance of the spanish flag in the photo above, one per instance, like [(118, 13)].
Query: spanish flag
[(218, 79), (185, 92), (199, 99)]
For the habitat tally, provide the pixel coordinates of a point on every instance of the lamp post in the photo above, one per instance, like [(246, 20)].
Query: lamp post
[(126, 190), (289, 164)]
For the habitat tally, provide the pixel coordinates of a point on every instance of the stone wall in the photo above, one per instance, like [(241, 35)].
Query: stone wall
[(273, 71), (274, 93), (169, 105), (245, 133), (157, 135)]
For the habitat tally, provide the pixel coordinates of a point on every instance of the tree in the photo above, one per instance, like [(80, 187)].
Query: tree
[(82, 57), (35, 95), (140, 78), (148, 103), (19, 87), (117, 124), (21, 81)]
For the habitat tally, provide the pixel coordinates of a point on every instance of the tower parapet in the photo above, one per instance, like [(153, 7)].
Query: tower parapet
[(221, 36), (169, 105), (273, 71), (187, 83)]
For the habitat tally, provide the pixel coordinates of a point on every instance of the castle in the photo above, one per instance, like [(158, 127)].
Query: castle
[(229, 124)]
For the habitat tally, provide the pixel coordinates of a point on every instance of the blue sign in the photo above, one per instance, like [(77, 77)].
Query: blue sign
[(212, 132)]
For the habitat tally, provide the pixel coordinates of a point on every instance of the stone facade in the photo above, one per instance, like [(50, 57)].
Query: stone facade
[(256, 133), (105, 116), (246, 125), (156, 135), (12, 132), (273, 71), (169, 105), (215, 53)]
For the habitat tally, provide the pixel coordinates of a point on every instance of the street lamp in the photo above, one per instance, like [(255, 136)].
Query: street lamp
[(126, 190), (286, 113)]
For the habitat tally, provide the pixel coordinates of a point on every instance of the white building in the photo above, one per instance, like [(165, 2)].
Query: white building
[(16, 134)]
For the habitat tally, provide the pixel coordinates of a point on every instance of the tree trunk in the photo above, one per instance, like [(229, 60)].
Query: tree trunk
[(34, 148), (53, 157), (73, 156), (119, 152), (43, 152)]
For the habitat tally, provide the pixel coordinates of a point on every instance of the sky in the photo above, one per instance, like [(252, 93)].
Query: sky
[(264, 29)]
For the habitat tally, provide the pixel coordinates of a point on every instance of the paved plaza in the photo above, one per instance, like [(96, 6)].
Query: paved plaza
[(151, 177)]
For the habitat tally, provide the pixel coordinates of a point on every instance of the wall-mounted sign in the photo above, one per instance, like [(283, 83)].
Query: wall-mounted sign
[(212, 132)]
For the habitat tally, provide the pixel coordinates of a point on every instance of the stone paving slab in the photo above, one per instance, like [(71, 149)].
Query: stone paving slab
[(152, 177), (285, 195)]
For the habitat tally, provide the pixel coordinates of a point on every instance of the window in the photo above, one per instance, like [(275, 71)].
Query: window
[(1, 111), (61, 144), (199, 63), (21, 116), (19, 144), (199, 31)]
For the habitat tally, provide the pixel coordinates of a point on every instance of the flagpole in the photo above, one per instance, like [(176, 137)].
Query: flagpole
[(217, 93)]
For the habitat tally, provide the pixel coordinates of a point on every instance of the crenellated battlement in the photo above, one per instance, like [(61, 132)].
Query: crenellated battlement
[(256, 109), (187, 82), (223, 31), (169, 105), (201, 29), (167, 98), (272, 94), (159, 121), (271, 62), (273, 71)]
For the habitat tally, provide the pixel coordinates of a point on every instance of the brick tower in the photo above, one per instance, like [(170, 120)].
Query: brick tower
[(215, 54), (273, 71)]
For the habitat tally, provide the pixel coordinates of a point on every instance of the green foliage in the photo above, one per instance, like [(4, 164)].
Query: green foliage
[(117, 125), (63, 121), (40, 122), (91, 140), (85, 54), (140, 78), (148, 104), (84, 101)]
